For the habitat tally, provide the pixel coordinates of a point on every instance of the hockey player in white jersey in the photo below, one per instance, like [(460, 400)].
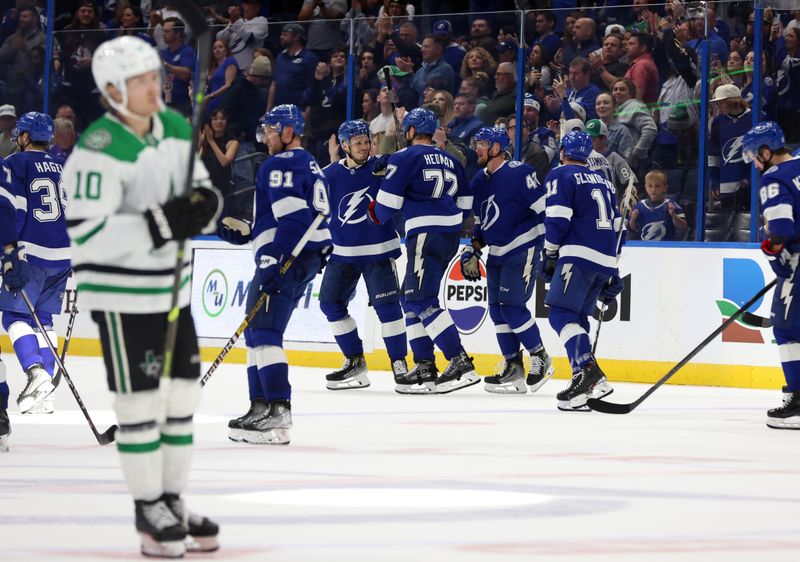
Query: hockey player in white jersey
[(360, 249), (124, 222), (509, 206)]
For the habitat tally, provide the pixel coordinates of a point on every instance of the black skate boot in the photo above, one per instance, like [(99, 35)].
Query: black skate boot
[(202, 532), (420, 380), (161, 532), (787, 416), (272, 427), (460, 373), (589, 382), (5, 431), (541, 370), (353, 374), (511, 380), (38, 388), (257, 408)]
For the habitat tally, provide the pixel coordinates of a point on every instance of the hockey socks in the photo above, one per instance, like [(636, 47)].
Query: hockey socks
[(177, 433), (572, 334), (442, 331), (3, 387), (789, 351), (421, 345), (393, 329), (506, 338), (523, 324), (345, 332), (273, 372), (254, 383), (139, 443), (25, 342), (48, 360)]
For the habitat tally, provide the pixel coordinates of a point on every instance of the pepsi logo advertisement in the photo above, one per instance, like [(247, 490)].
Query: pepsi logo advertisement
[(466, 301)]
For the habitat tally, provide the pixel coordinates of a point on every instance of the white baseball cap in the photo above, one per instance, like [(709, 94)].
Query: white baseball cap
[(614, 27), (578, 110), (572, 124), (725, 92), (8, 110)]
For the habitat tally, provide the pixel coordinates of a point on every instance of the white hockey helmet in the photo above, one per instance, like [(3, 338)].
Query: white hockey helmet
[(117, 60)]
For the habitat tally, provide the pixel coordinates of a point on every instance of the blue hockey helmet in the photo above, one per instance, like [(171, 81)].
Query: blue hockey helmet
[(350, 129), (38, 125), (285, 115), (767, 134), (493, 135), (577, 145), (423, 120)]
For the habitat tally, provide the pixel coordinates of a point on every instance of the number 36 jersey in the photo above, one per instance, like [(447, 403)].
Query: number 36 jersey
[(581, 218), (32, 206), (290, 192)]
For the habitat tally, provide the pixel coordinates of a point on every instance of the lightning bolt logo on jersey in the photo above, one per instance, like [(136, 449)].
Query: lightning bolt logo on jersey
[(727, 167), (355, 238), (654, 221)]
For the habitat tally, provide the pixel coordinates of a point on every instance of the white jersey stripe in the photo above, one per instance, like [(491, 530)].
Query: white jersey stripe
[(782, 211), (559, 212), (390, 200), (520, 240), (588, 254), (287, 206), (367, 249), (433, 220)]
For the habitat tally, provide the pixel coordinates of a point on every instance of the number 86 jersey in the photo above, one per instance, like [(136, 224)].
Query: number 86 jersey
[(32, 207), (290, 192)]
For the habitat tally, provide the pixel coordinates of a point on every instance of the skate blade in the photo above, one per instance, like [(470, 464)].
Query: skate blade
[(44, 407), (236, 435), (269, 437), (784, 423), (36, 396), (358, 381), (165, 549), (547, 376), (512, 387), (201, 544), (4, 443), (564, 406), (464, 381), (598, 391), (419, 388)]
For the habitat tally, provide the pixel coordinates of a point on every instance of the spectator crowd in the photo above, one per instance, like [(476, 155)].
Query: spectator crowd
[(628, 75)]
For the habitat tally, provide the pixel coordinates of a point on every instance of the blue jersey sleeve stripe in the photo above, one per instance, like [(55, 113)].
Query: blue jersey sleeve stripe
[(287, 206)]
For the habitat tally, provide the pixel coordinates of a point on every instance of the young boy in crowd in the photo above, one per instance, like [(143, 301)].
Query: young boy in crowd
[(657, 217)]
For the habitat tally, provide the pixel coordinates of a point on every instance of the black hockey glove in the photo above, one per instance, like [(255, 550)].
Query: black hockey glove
[(206, 204), (234, 231), (470, 264), (549, 261), (170, 221), (611, 290)]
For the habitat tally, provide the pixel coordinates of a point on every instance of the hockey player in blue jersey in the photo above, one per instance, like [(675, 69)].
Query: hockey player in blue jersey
[(580, 262), (509, 206), (290, 192), (429, 187), (779, 200), (360, 249), (35, 256)]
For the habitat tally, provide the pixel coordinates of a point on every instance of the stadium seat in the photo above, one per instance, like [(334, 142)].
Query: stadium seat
[(716, 221), (716, 234), (741, 221), (740, 235)]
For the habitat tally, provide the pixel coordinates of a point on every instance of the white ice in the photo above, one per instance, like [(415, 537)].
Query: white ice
[(693, 474)]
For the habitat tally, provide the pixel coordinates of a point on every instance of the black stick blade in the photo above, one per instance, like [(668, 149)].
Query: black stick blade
[(598, 405), (108, 436)]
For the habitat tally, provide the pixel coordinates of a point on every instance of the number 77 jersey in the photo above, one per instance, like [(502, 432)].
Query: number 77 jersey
[(429, 186), (581, 218), (32, 206), (290, 191)]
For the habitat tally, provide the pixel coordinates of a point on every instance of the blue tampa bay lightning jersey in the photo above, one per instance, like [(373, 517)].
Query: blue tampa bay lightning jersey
[(32, 206), (509, 209), (355, 237), (290, 192), (779, 198), (654, 221), (546, 138), (582, 220), (727, 168), (429, 186)]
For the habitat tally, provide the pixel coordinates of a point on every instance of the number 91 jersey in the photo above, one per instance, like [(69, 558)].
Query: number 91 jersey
[(290, 192), (32, 207)]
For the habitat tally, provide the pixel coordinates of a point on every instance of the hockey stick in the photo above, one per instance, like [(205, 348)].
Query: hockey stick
[(103, 438), (387, 75), (626, 209), (67, 338), (193, 15), (263, 300), (611, 408)]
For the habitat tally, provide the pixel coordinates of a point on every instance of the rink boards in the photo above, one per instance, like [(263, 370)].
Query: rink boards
[(675, 296)]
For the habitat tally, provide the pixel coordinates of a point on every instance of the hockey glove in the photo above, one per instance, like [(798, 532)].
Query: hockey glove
[(470, 264), (780, 259), (268, 274), (170, 221), (206, 205), (549, 261), (16, 270), (371, 210), (234, 231), (379, 169), (611, 290)]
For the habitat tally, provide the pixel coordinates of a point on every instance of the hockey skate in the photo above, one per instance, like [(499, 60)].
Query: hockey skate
[(541, 370), (272, 427), (38, 388), (257, 408), (161, 532), (353, 374), (459, 373), (589, 382), (5, 431), (201, 531), (511, 380), (46, 406), (420, 380), (786, 416)]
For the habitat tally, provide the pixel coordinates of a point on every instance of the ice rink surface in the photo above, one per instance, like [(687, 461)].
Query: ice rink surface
[(693, 474)]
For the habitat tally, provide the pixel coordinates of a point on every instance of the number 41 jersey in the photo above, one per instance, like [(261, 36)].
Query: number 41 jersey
[(32, 206)]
